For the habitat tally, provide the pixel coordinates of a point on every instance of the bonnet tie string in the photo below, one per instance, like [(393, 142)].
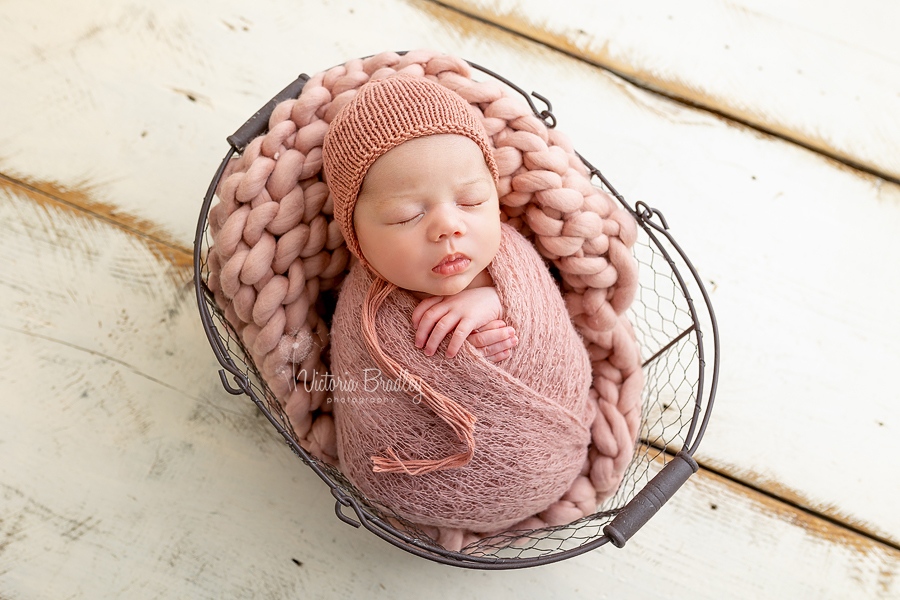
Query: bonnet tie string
[(458, 418)]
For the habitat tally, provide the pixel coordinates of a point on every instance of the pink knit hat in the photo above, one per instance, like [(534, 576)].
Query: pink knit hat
[(384, 114)]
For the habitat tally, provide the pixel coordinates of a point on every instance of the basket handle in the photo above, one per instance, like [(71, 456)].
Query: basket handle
[(649, 500), (258, 123)]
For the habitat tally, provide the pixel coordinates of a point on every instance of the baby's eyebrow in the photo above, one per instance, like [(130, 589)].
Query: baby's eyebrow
[(477, 180), (382, 204), (380, 200), (386, 200)]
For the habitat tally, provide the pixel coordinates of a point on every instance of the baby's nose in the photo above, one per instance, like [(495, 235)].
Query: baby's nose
[(446, 222)]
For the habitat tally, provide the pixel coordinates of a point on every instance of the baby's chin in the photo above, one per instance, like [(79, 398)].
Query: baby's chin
[(447, 287), (433, 291)]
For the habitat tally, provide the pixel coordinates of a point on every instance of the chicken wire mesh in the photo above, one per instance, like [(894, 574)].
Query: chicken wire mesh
[(680, 370)]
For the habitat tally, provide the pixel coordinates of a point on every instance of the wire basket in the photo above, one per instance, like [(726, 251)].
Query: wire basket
[(680, 377)]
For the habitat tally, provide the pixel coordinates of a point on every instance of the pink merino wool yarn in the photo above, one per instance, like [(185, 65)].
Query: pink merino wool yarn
[(276, 246)]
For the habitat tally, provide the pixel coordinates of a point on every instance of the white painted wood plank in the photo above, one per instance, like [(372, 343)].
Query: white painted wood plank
[(824, 73), (126, 472)]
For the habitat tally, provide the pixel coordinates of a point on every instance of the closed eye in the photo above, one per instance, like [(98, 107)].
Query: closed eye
[(471, 203), (404, 221)]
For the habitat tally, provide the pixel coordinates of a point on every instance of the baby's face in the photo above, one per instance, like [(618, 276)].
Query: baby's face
[(428, 217)]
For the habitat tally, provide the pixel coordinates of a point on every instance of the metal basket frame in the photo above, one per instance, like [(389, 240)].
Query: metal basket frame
[(621, 522)]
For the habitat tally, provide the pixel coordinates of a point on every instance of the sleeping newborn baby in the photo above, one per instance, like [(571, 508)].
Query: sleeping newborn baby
[(462, 398)]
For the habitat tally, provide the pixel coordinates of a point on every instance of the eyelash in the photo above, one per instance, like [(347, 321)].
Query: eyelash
[(462, 205)]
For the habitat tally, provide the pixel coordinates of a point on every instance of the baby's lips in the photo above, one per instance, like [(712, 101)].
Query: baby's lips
[(452, 263)]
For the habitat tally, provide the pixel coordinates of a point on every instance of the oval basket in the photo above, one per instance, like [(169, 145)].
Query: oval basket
[(680, 376)]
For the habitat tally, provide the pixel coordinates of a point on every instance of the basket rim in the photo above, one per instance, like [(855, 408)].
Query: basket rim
[(654, 224)]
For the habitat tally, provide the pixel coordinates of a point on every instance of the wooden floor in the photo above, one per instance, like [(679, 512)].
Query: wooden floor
[(768, 133)]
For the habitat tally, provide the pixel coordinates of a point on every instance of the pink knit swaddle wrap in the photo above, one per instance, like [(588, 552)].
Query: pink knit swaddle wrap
[(276, 246), (533, 413)]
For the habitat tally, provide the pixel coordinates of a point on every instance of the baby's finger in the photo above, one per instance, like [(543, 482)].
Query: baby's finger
[(506, 345), (499, 356), (462, 331), (428, 321), (439, 332), (422, 307), (486, 338), (492, 325)]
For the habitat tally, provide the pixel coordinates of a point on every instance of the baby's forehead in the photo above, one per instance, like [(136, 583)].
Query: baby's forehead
[(432, 164), (396, 188)]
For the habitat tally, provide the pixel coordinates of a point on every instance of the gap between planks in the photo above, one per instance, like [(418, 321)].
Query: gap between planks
[(790, 505), (731, 119), (80, 202)]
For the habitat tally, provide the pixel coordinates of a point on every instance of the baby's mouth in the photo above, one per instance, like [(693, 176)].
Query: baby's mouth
[(451, 264)]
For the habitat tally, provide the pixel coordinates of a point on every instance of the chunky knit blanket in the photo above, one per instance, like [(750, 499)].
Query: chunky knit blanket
[(276, 247)]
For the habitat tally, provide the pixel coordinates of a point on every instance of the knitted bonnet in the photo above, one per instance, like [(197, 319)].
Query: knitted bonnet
[(384, 114)]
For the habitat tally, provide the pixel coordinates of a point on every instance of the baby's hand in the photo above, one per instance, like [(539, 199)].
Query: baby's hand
[(463, 313)]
